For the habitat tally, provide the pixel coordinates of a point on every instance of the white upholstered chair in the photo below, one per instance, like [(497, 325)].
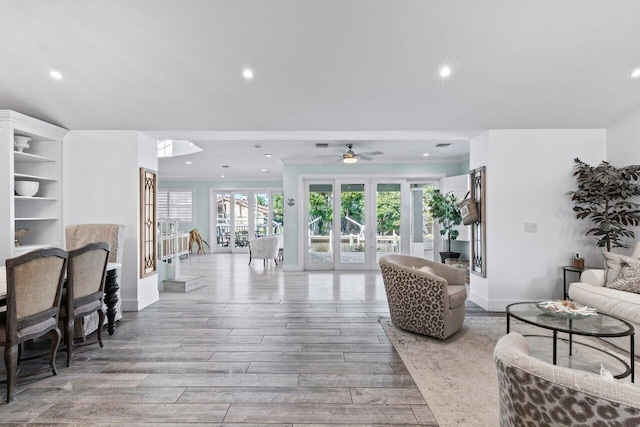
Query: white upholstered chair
[(264, 248)]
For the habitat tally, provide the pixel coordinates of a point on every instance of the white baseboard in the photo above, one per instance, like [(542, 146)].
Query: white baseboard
[(139, 304), (479, 300)]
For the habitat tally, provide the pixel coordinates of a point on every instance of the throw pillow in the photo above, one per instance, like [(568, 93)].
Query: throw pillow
[(612, 265), (629, 278)]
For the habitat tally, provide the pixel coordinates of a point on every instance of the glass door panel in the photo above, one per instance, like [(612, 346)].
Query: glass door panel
[(240, 229), (353, 212), (223, 221), (319, 209), (261, 214), (422, 224), (388, 214), (277, 213)]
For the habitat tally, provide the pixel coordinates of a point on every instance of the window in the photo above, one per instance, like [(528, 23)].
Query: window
[(175, 204)]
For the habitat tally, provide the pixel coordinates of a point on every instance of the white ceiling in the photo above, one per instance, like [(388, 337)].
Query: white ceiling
[(348, 68)]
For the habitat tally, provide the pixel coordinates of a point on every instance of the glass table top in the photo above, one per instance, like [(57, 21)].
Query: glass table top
[(601, 325)]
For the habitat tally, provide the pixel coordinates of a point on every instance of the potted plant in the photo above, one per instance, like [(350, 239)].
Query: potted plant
[(603, 197), (445, 210)]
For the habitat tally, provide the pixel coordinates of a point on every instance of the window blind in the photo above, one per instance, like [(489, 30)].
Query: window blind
[(175, 204)]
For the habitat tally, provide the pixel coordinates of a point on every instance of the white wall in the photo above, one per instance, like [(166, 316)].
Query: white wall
[(101, 185), (623, 147), (528, 175), (623, 141)]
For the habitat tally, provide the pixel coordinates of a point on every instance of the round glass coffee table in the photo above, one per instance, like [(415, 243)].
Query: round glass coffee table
[(599, 325)]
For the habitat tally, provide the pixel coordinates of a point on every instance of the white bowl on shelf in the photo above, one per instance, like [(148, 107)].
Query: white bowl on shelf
[(21, 142), (27, 188)]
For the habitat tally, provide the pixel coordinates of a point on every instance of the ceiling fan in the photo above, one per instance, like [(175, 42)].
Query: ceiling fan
[(349, 156)]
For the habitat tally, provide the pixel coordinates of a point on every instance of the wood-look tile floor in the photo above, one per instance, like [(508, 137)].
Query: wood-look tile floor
[(255, 346)]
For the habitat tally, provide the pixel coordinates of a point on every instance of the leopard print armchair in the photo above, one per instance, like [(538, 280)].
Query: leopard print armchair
[(424, 296), (536, 393)]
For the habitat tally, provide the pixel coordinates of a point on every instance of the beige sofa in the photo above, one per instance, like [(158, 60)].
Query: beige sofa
[(591, 291), (424, 296)]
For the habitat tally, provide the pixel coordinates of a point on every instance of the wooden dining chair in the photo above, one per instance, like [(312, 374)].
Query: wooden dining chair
[(79, 235), (83, 295), (34, 290)]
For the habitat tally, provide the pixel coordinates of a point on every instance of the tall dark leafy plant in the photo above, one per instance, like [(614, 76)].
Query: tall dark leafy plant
[(603, 196), (445, 210)]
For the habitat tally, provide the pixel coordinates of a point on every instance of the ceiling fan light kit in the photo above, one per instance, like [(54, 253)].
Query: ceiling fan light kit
[(347, 159)]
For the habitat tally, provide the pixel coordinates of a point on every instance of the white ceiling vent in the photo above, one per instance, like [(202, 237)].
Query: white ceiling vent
[(443, 145), (322, 145)]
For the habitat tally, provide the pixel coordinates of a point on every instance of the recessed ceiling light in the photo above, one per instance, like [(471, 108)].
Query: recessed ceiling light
[(265, 170), (247, 73), (635, 73), (268, 155), (445, 72), (188, 162), (56, 74), (425, 154), (225, 166), (221, 176)]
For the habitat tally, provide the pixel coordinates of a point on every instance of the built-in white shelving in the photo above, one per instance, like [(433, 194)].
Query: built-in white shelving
[(41, 162)]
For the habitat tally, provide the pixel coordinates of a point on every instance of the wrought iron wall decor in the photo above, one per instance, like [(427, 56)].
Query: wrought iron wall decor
[(479, 228), (148, 222)]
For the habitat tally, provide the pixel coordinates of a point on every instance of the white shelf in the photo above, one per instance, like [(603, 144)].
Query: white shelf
[(38, 178), (42, 163), (26, 157), (34, 198), (36, 219)]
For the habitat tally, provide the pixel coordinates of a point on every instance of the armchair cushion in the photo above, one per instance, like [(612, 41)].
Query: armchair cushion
[(457, 295)]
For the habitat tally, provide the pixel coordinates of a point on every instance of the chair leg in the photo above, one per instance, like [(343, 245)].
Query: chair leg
[(100, 324), (276, 260), (68, 338), (55, 342), (11, 364), (249, 256)]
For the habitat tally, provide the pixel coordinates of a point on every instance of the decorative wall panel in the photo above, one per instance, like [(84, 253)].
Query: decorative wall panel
[(148, 222), (479, 228)]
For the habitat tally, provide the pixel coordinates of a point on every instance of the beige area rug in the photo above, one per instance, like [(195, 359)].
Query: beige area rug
[(457, 377)]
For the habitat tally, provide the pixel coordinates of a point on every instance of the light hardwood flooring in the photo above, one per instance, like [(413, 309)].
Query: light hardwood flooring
[(255, 346)]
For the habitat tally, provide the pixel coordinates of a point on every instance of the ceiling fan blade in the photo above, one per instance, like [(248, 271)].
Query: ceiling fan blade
[(330, 156), (372, 153), (365, 158)]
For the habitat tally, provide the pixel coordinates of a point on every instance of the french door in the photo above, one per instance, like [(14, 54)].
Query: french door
[(238, 216), (353, 222)]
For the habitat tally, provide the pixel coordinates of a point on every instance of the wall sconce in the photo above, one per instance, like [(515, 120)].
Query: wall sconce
[(291, 201)]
